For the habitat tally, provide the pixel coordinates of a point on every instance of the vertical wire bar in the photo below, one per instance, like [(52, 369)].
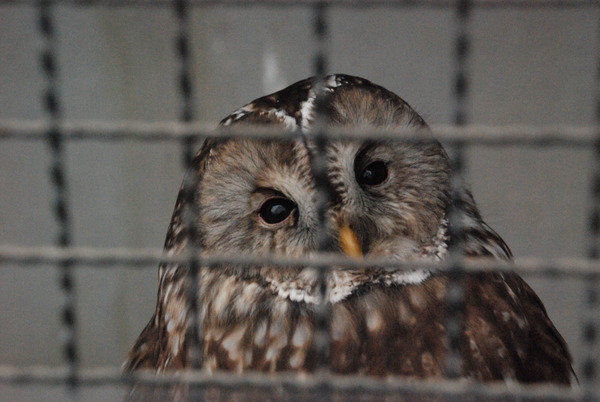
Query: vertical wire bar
[(52, 107), (455, 294), (592, 298), (321, 32), (319, 169), (190, 215)]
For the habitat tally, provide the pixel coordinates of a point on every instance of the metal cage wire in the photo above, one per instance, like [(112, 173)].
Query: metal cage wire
[(189, 132)]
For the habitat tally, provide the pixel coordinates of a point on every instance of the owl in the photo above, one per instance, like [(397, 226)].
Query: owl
[(385, 198)]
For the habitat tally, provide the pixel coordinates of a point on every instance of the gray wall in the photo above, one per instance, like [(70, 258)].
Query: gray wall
[(527, 66)]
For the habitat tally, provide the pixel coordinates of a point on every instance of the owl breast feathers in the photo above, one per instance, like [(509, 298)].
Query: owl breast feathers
[(386, 198)]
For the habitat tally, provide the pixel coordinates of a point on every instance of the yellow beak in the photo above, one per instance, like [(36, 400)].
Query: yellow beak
[(349, 242)]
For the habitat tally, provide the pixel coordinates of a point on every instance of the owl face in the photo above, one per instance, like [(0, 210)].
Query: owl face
[(259, 196)]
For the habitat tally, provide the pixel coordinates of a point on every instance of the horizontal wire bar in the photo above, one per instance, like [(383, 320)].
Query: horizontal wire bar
[(111, 375), (533, 266), (342, 3), (175, 131)]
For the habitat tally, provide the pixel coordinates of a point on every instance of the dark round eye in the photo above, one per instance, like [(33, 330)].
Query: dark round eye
[(375, 173), (276, 210)]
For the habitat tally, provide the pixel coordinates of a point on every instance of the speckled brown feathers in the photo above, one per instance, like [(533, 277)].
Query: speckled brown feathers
[(259, 197)]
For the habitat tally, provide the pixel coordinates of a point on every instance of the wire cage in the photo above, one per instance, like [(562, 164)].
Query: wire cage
[(104, 103)]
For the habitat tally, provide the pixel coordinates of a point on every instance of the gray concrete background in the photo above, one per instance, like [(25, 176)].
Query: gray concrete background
[(527, 66)]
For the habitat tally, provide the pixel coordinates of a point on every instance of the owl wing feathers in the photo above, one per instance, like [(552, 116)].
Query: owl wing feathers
[(146, 351), (155, 347), (539, 352), (252, 321), (548, 356)]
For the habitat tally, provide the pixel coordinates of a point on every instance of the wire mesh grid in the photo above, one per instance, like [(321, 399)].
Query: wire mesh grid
[(56, 132)]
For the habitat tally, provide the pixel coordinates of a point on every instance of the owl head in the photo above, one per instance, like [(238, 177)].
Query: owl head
[(259, 196)]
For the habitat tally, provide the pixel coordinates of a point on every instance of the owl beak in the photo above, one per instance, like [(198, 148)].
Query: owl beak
[(349, 242)]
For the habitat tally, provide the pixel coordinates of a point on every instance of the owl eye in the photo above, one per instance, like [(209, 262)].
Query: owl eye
[(276, 210), (375, 173)]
